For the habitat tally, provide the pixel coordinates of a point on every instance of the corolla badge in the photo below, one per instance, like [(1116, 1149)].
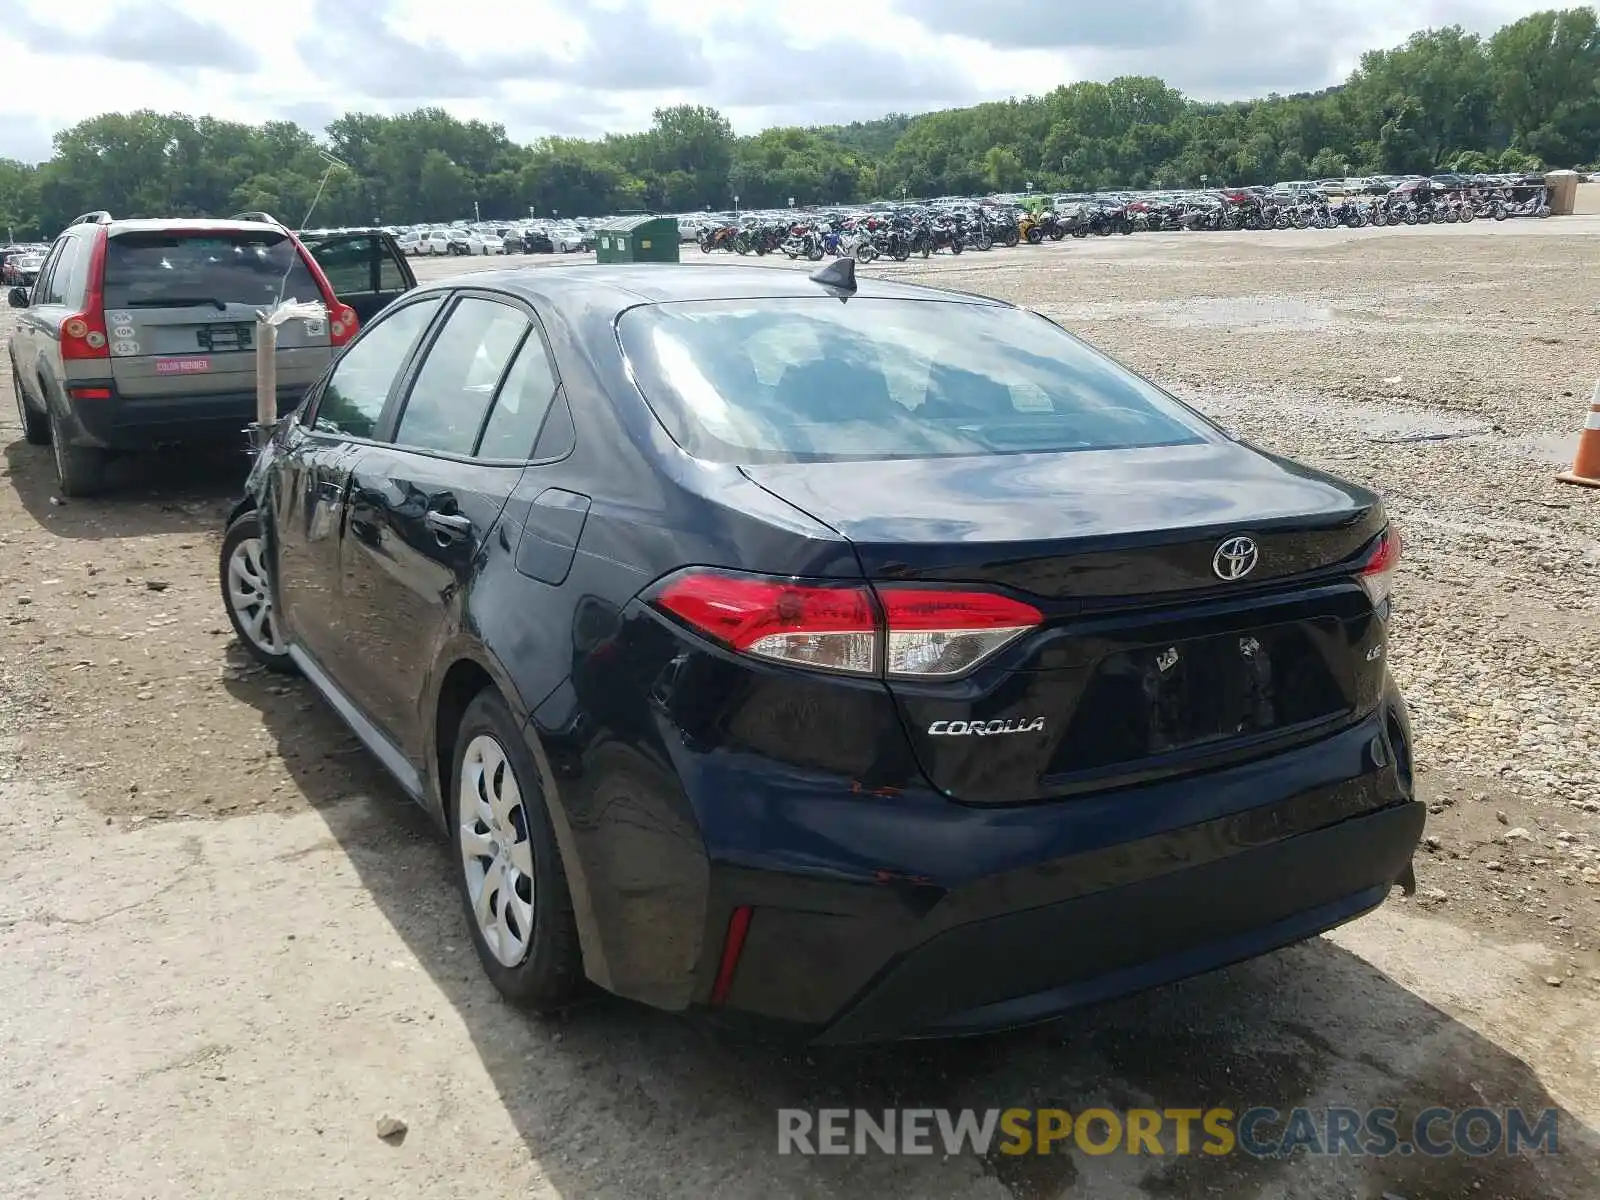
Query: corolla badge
[(986, 728), (1235, 558)]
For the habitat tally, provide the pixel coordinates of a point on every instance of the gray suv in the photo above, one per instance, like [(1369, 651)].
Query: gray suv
[(141, 332)]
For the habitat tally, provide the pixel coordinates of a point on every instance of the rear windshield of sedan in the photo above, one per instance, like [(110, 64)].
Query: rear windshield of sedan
[(149, 270), (813, 380)]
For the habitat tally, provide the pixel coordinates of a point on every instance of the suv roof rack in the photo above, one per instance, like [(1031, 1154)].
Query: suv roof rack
[(99, 217)]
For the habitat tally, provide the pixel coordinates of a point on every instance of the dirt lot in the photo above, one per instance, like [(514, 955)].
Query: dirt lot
[(228, 947)]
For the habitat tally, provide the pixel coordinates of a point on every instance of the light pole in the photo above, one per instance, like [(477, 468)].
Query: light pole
[(475, 217)]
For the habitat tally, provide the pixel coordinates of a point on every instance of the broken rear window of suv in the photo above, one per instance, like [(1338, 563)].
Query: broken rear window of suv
[(205, 268)]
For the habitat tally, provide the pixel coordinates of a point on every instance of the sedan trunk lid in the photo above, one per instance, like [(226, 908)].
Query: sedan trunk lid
[(1146, 660)]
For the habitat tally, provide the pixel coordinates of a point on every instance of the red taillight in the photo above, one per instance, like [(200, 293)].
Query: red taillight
[(343, 324), (83, 335), (937, 634), (921, 633), (807, 624), (1377, 573)]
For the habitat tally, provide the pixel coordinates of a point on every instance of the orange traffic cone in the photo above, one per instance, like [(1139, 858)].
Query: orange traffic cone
[(1586, 464)]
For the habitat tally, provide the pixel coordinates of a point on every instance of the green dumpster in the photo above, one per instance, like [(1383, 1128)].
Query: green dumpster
[(642, 238)]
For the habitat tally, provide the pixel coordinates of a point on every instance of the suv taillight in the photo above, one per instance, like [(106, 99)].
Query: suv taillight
[(1376, 574), (83, 335), (343, 324), (902, 632)]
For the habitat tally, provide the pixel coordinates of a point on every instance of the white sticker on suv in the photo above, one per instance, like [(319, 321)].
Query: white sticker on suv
[(120, 317), (125, 349)]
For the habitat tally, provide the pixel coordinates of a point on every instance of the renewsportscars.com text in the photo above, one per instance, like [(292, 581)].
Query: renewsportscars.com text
[(1258, 1132)]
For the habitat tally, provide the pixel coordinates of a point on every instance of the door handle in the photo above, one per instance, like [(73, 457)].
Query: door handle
[(448, 527)]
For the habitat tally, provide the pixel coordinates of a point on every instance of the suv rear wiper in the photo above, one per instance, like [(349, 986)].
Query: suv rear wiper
[(176, 302)]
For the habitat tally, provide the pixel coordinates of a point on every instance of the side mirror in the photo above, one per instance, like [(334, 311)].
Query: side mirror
[(17, 297)]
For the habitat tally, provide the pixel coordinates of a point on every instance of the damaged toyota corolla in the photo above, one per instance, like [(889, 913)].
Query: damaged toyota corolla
[(868, 656)]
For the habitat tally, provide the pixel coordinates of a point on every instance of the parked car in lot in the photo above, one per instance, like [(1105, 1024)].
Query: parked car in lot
[(530, 240), (437, 241), (11, 260), (898, 667), (568, 239), (141, 332), (22, 268)]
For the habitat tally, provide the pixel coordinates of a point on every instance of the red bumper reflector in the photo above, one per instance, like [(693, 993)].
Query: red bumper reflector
[(89, 393), (732, 947)]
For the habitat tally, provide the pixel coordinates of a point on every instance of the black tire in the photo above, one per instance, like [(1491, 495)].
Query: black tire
[(80, 470), (244, 529), (35, 425), (550, 976), (1035, 235)]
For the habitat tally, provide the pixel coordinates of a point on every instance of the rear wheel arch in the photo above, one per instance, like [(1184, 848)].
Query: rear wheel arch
[(461, 685), (463, 682)]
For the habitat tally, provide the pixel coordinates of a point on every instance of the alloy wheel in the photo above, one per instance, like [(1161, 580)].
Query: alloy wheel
[(251, 597), (496, 855)]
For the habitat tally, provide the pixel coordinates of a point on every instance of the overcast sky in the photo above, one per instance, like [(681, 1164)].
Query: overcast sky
[(585, 68)]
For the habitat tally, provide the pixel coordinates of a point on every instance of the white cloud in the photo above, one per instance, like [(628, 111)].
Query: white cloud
[(569, 67)]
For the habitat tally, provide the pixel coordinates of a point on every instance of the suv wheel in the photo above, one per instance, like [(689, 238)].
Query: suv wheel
[(80, 470), (247, 594), (508, 867), (35, 425)]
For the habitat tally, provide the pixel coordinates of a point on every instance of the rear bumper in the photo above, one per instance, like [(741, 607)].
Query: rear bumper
[(1031, 965), (123, 423), (1007, 917)]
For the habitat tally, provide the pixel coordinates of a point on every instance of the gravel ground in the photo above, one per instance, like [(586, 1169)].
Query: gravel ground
[(220, 928)]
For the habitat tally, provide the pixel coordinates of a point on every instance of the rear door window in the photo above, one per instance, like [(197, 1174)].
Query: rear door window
[(72, 274), (521, 404), (347, 262), (200, 268), (459, 377), (44, 287), (393, 275)]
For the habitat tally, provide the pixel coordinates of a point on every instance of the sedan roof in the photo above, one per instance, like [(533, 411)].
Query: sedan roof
[(624, 286)]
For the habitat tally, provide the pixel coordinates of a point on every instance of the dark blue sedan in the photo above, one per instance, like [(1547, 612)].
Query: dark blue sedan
[(869, 656)]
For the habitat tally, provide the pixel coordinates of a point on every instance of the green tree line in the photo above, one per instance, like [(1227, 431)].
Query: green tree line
[(1528, 95)]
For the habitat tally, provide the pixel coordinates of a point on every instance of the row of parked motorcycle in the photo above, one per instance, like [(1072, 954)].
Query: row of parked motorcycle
[(925, 230)]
